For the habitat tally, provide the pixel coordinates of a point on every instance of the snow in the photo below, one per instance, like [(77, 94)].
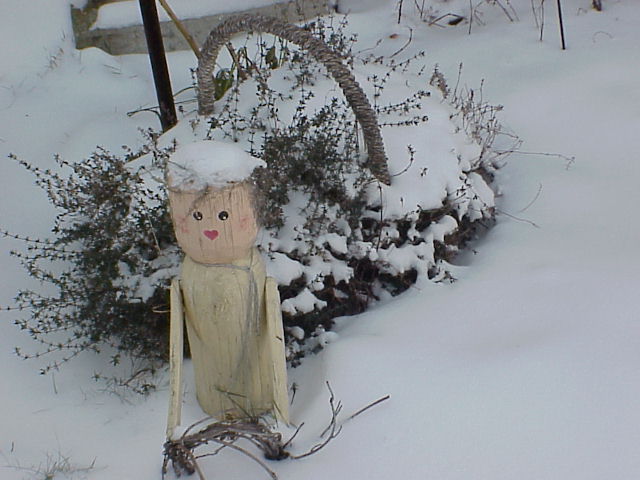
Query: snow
[(127, 13), (527, 367), (199, 165), (284, 269), (304, 302)]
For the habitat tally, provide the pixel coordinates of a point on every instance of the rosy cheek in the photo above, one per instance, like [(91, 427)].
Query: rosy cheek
[(245, 223), (184, 227)]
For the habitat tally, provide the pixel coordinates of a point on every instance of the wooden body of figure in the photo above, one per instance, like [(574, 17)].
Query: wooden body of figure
[(230, 307)]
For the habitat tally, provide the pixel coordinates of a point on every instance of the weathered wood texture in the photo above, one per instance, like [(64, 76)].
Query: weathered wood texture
[(237, 348), (231, 311), (275, 334), (203, 234), (176, 353)]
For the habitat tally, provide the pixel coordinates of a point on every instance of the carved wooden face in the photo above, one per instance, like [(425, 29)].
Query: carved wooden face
[(216, 226)]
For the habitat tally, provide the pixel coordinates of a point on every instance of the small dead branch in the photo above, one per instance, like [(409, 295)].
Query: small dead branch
[(372, 404), (53, 466), (507, 9), (517, 219), (333, 428), (405, 45), (535, 199), (569, 160), (541, 20), (181, 452), (181, 28), (561, 25)]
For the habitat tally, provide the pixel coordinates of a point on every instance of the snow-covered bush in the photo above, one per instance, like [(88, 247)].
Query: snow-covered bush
[(334, 237), (112, 246)]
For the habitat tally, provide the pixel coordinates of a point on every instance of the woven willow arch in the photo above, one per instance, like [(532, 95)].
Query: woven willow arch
[(219, 36)]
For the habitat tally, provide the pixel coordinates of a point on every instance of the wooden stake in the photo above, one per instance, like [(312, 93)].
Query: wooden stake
[(176, 347), (275, 335), (155, 46)]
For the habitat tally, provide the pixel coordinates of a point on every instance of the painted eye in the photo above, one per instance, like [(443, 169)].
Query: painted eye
[(223, 215), (197, 215)]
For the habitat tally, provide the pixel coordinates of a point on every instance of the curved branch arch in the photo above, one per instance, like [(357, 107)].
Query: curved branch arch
[(365, 115)]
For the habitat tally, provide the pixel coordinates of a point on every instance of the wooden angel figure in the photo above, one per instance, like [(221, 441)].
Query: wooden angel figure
[(229, 305)]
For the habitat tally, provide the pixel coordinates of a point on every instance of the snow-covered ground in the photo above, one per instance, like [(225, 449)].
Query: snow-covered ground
[(528, 367), (127, 13)]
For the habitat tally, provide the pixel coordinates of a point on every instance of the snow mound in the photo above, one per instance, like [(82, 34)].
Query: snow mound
[(199, 165)]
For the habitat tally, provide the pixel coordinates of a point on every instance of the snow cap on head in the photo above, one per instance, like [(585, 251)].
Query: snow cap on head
[(208, 163)]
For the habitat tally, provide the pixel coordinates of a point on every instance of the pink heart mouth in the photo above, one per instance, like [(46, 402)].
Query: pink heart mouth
[(211, 234)]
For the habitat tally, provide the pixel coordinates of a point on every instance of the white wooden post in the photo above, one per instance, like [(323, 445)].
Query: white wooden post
[(176, 353), (231, 309)]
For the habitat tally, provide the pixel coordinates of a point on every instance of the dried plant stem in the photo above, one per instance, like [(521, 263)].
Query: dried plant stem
[(561, 23), (541, 19), (372, 404), (532, 201), (333, 428), (511, 16), (271, 473), (181, 451), (405, 45), (181, 28)]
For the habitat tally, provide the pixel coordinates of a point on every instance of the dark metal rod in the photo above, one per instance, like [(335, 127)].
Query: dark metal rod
[(155, 46), (564, 45)]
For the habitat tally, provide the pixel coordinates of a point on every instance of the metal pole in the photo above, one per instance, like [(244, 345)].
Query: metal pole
[(158, 60)]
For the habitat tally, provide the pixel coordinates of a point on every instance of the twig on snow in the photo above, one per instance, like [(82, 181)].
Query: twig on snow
[(372, 404), (181, 452), (561, 23)]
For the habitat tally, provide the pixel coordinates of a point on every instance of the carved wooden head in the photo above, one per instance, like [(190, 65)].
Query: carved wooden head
[(212, 201), (215, 226)]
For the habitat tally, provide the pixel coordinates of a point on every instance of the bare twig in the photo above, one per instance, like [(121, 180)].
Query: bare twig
[(561, 23), (405, 45), (570, 160), (233, 446), (333, 428), (540, 13), (140, 110), (535, 13), (295, 434), (454, 21), (600, 32), (181, 28), (511, 16), (532, 201), (181, 452), (513, 217), (51, 467), (372, 404), (412, 152)]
